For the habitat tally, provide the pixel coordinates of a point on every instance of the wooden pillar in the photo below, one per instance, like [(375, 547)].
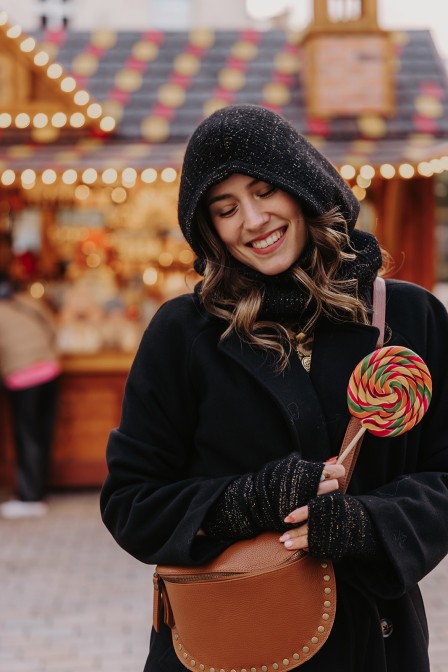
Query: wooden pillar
[(48, 259), (321, 12), (406, 224), (369, 11)]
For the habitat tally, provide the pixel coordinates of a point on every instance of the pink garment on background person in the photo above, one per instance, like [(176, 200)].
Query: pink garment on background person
[(32, 375)]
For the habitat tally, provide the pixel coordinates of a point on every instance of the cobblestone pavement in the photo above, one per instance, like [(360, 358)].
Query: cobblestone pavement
[(73, 601)]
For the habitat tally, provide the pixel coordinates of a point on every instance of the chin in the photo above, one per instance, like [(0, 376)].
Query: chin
[(273, 266), (276, 271), (270, 270), (266, 266)]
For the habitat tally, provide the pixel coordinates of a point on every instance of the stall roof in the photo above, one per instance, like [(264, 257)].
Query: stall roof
[(158, 86), (103, 154)]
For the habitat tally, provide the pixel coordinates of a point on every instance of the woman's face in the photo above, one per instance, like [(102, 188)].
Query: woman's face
[(261, 225)]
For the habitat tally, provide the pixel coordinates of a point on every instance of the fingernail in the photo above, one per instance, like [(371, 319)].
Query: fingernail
[(332, 460), (288, 544), (288, 519), (284, 537)]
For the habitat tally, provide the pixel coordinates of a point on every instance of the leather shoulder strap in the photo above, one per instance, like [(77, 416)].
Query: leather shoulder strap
[(354, 425)]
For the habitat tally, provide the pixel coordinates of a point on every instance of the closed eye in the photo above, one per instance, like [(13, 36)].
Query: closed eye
[(269, 192), (227, 213)]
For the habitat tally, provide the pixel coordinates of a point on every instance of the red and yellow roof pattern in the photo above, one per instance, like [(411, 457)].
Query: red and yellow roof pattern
[(158, 85)]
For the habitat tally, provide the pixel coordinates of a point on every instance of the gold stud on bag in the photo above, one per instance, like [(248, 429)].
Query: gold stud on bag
[(257, 607)]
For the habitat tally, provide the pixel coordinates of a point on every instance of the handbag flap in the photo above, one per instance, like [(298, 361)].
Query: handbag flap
[(260, 553)]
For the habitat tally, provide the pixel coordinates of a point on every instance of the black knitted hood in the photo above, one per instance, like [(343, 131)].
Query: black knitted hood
[(255, 141)]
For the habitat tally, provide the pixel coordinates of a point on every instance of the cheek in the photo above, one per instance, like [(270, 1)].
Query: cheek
[(225, 231), (217, 225), (301, 234), (301, 226)]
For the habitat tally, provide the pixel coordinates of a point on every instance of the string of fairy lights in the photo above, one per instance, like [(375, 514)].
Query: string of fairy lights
[(82, 182), (89, 110), (121, 181)]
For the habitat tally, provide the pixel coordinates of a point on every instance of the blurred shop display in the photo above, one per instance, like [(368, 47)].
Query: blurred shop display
[(105, 270)]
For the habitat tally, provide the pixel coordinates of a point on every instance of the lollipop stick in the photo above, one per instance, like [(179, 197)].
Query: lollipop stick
[(351, 445)]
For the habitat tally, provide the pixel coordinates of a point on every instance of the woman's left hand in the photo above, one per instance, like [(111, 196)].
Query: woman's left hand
[(297, 538)]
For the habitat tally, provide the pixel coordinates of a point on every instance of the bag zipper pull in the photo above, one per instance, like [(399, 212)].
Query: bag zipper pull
[(157, 601), (161, 602)]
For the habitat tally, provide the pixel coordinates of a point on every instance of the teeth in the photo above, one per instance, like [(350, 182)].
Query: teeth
[(270, 240)]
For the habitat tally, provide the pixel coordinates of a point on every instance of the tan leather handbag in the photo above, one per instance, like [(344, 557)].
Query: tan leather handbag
[(257, 607), (227, 617)]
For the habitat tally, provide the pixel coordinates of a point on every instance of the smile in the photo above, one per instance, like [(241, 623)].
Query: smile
[(270, 240)]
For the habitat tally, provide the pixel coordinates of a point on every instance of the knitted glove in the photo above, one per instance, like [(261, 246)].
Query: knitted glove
[(254, 503), (339, 526)]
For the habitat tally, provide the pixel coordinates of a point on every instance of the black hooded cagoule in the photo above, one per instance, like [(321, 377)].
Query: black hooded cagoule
[(255, 141)]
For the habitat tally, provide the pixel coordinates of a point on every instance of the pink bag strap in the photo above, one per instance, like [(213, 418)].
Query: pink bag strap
[(354, 425), (379, 308)]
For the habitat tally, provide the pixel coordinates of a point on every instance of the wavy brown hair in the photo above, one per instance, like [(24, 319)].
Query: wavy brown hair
[(235, 298)]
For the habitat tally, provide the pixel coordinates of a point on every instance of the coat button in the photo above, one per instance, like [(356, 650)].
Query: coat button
[(387, 627)]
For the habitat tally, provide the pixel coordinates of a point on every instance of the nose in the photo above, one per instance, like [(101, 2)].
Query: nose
[(254, 215)]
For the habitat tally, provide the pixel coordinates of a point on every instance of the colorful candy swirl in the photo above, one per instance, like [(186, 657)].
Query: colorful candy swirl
[(390, 390)]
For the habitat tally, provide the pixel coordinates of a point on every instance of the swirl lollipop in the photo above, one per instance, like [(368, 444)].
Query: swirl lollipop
[(389, 391)]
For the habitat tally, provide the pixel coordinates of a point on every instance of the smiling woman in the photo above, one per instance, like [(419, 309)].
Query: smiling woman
[(261, 226), (236, 404)]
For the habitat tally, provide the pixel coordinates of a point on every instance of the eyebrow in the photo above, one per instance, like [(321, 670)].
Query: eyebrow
[(223, 197)]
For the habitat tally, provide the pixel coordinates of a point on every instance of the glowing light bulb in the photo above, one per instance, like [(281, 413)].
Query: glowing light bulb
[(149, 175), (347, 172), (14, 32), (168, 174), (49, 176), (69, 176), (107, 124), (68, 84), (8, 177), (406, 171), (387, 171), (81, 97), (28, 44), (54, 71), (22, 120), (367, 172), (59, 119), (41, 58), (40, 120), (28, 176)]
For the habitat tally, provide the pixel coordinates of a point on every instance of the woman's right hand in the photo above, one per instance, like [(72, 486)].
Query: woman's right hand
[(331, 473)]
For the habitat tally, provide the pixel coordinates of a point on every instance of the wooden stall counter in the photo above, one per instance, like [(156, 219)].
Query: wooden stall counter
[(91, 392)]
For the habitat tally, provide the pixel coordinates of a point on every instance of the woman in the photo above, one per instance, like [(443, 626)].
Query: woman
[(237, 396)]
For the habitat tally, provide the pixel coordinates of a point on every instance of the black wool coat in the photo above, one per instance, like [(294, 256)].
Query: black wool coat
[(197, 412)]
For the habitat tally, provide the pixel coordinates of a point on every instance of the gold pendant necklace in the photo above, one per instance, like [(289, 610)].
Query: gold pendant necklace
[(303, 344)]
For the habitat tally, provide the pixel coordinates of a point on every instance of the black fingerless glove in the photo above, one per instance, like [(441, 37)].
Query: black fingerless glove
[(254, 503), (339, 526)]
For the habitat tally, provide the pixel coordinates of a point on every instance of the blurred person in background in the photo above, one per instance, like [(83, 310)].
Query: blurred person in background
[(29, 371)]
